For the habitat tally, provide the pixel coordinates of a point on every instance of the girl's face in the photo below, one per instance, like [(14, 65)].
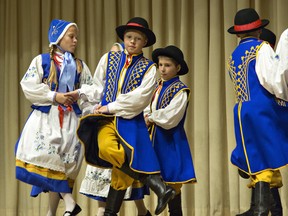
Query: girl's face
[(69, 40), (168, 67), (134, 41)]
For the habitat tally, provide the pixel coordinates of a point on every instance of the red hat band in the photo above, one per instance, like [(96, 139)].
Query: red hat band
[(135, 24), (248, 26)]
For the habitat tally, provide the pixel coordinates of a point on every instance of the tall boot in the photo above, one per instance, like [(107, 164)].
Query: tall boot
[(250, 211), (262, 199), (114, 201), (153, 181), (276, 206), (175, 207), (163, 192)]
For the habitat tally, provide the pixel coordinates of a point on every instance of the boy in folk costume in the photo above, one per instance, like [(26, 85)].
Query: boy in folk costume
[(258, 75), (276, 206), (116, 135), (96, 182), (165, 119), (48, 152)]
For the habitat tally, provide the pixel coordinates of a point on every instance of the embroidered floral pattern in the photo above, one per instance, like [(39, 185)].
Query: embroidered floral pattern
[(70, 158), (39, 141), (52, 149), (101, 177), (32, 71)]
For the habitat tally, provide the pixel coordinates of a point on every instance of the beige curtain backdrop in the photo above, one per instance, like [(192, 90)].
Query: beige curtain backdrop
[(198, 27)]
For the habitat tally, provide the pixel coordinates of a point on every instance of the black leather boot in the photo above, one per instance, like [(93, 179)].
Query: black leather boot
[(164, 193), (262, 199), (114, 202), (276, 206), (175, 207), (153, 181), (250, 211)]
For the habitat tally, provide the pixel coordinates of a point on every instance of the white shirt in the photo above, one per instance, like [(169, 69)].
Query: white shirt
[(272, 68), (171, 115), (132, 103)]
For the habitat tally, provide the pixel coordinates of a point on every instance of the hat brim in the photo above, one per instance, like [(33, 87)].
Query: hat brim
[(265, 22), (120, 30), (164, 52)]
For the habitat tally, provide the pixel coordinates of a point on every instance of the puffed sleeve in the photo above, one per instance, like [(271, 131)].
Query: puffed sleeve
[(34, 89), (133, 103), (272, 68), (85, 79), (281, 78), (172, 114), (93, 92)]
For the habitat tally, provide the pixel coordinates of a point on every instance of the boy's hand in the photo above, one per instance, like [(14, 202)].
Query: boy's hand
[(74, 94), (148, 123), (101, 109)]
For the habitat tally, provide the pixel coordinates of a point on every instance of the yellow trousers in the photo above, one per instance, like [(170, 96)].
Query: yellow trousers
[(112, 151), (274, 178)]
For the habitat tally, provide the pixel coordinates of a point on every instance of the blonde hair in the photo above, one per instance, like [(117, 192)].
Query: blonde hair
[(53, 73)]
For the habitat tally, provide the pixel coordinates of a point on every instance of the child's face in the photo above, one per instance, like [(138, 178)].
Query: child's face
[(168, 67), (69, 40), (134, 41)]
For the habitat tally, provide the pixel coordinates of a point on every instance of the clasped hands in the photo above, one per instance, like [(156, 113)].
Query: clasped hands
[(101, 109), (67, 98), (64, 98), (73, 96)]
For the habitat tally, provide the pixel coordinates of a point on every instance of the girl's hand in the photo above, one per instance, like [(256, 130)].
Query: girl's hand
[(64, 99), (74, 94)]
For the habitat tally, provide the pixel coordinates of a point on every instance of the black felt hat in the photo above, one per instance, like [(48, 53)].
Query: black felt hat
[(172, 52), (268, 36), (247, 20), (140, 24)]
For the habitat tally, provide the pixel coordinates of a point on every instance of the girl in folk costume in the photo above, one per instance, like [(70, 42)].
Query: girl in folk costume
[(48, 152), (125, 81), (96, 182), (259, 75), (165, 119)]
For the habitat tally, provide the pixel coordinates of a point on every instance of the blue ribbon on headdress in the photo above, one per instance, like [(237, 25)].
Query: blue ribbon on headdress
[(68, 73)]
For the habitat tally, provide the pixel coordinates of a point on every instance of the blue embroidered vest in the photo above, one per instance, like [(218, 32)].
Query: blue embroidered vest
[(171, 145), (133, 76), (257, 115), (46, 71)]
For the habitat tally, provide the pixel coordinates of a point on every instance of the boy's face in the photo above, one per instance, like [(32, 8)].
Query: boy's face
[(69, 40), (168, 67), (134, 41)]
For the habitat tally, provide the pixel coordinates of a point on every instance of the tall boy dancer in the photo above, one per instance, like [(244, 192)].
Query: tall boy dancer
[(258, 75), (276, 180), (116, 135)]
